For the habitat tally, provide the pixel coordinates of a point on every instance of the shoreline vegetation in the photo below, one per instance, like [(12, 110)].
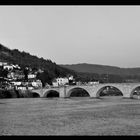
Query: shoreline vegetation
[(12, 93)]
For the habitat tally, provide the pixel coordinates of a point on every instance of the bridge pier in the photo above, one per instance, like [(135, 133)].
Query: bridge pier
[(62, 92), (127, 91)]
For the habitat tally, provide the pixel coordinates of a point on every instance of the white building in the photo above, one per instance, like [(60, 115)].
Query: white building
[(93, 82), (55, 84), (21, 88), (60, 81), (8, 67), (17, 83), (30, 88), (37, 83), (3, 63), (16, 66), (30, 76), (71, 77)]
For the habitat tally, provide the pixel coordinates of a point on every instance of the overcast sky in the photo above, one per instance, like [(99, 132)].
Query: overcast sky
[(107, 35)]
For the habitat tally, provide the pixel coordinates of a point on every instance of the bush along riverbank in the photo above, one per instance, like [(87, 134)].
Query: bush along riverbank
[(17, 94)]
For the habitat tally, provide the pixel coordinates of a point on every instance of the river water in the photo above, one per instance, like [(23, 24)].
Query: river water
[(70, 116)]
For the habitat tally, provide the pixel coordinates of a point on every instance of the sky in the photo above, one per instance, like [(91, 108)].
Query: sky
[(106, 35)]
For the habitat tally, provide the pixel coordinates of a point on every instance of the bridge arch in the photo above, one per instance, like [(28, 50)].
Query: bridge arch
[(35, 95), (78, 92), (51, 93), (102, 88)]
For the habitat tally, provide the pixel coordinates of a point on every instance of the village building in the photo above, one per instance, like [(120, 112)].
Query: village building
[(8, 67), (16, 83), (2, 63), (21, 88), (37, 84), (93, 82), (60, 81), (31, 76)]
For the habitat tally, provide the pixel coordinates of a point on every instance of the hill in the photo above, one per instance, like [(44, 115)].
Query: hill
[(24, 59), (102, 69)]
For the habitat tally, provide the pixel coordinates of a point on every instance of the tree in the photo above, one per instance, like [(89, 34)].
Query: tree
[(26, 71), (3, 73), (46, 77)]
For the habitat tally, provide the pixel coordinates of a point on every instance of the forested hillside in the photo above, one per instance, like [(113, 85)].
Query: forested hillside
[(24, 59)]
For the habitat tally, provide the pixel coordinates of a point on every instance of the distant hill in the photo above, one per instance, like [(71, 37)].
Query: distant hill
[(102, 69)]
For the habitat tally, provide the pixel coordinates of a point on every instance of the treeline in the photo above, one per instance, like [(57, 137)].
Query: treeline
[(106, 78), (102, 78), (12, 93)]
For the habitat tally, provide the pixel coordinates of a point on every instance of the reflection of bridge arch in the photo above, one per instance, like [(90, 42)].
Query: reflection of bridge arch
[(51, 93), (82, 90)]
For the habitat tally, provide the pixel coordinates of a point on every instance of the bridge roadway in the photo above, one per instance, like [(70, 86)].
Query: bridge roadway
[(127, 89)]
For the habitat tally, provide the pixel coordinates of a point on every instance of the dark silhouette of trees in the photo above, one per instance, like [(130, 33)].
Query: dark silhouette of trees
[(26, 71), (3, 72)]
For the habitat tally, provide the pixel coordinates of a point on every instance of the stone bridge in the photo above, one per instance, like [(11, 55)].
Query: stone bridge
[(127, 89)]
